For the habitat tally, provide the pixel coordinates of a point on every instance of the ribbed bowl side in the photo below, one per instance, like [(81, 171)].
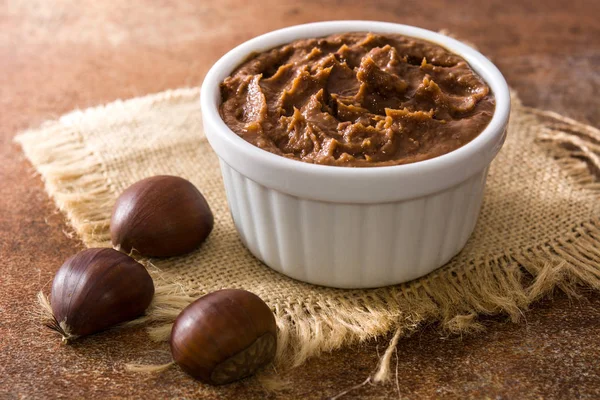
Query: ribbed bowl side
[(353, 245)]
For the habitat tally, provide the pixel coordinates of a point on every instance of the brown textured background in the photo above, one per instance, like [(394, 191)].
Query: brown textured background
[(60, 55)]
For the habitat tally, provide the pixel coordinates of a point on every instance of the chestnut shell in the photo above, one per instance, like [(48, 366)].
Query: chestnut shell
[(160, 216), (224, 336), (96, 289)]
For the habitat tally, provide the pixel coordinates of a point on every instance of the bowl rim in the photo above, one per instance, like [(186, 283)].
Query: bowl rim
[(288, 175)]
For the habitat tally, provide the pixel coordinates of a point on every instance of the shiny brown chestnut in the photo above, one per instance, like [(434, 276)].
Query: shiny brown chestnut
[(160, 216), (96, 289), (224, 336)]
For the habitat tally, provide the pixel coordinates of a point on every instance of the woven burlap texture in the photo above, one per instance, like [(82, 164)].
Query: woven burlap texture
[(538, 227)]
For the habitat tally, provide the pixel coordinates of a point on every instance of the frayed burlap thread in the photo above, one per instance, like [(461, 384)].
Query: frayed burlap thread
[(539, 228)]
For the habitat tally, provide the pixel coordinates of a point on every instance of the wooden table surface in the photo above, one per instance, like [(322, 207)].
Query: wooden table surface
[(60, 55)]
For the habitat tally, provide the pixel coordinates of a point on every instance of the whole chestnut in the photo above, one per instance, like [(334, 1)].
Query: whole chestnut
[(160, 216), (224, 336), (96, 289)]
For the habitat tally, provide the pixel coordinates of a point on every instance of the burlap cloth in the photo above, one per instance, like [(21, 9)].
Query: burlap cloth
[(538, 230)]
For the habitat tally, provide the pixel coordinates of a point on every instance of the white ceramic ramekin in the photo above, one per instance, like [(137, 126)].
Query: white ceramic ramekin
[(353, 227)]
